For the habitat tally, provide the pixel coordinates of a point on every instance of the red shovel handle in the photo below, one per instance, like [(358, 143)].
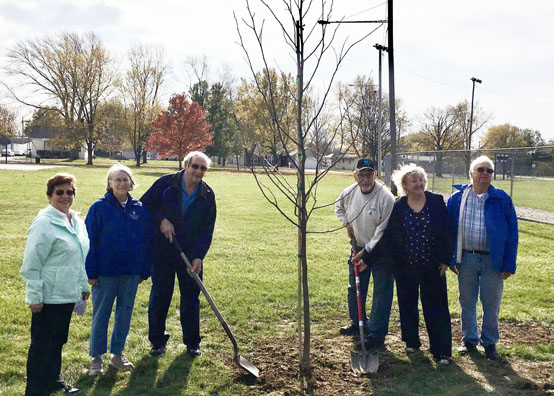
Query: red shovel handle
[(358, 296)]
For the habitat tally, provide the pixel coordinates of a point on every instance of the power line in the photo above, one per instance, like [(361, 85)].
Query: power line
[(369, 9), (430, 79)]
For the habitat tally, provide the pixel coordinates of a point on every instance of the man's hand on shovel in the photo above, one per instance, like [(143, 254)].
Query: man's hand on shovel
[(357, 258)]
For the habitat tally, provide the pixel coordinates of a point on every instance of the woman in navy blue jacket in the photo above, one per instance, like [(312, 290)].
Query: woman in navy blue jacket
[(420, 239), (118, 227)]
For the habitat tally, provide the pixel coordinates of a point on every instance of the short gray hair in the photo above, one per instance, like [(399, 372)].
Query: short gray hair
[(200, 154), (119, 168), (480, 160), (399, 176)]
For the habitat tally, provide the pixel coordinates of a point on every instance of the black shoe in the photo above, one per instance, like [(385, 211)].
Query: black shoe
[(65, 389), (158, 351), (194, 351), (351, 330), (467, 348), (491, 353), (374, 343)]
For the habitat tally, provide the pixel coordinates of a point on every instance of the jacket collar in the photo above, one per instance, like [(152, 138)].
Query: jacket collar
[(111, 197), (493, 192), (176, 183), (56, 219)]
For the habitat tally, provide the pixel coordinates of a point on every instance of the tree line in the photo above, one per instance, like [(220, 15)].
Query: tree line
[(73, 84)]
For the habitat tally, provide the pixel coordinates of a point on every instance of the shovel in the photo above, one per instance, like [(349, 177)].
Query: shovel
[(367, 362), (238, 359)]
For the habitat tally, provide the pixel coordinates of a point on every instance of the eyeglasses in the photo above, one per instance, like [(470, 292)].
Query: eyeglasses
[(123, 181), (202, 167), (69, 193), (482, 169), (368, 175)]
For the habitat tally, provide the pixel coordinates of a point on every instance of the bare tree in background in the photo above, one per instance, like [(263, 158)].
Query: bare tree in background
[(71, 73), (140, 88), (310, 45), (8, 126)]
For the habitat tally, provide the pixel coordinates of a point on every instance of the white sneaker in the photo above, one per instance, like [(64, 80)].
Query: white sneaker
[(120, 362), (95, 366)]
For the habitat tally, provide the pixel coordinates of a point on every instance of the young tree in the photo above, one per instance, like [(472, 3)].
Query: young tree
[(140, 90), (70, 72), (180, 129), (309, 50), (113, 123)]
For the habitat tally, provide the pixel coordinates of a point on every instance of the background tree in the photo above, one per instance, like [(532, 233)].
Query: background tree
[(45, 117), (291, 132), (180, 129), (8, 126), (462, 113), (277, 90), (439, 133), (70, 72), (508, 135), (140, 89), (114, 126)]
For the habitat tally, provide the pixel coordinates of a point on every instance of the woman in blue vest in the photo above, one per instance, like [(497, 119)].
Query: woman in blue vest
[(118, 228)]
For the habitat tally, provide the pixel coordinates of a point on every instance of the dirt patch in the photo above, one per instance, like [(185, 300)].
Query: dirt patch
[(512, 375)]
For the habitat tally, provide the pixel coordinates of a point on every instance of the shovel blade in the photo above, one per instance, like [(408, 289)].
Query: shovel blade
[(246, 365), (364, 362)]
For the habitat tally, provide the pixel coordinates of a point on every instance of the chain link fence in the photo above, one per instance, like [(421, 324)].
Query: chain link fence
[(526, 173)]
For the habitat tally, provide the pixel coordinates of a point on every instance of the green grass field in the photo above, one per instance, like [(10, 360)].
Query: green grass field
[(251, 273)]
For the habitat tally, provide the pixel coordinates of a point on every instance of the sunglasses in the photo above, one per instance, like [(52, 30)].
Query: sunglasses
[(202, 167), (59, 193), (482, 169)]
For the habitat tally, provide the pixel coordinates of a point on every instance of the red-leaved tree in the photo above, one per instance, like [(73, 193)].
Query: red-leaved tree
[(180, 129)]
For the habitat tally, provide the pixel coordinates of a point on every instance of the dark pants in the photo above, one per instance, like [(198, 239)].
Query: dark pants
[(434, 301), (163, 282), (383, 291), (49, 330)]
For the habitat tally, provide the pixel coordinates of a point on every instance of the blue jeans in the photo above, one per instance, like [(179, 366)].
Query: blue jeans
[(477, 279), (383, 290), (110, 288)]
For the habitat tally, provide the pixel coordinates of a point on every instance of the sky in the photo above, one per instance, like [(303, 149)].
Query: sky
[(438, 46)]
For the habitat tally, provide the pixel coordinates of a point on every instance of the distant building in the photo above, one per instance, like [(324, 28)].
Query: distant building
[(41, 146)]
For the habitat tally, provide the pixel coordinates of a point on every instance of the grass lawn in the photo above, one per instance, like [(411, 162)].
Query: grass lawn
[(251, 273)]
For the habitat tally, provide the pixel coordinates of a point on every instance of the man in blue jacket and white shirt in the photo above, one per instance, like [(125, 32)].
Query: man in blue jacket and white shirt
[(182, 206), (485, 254)]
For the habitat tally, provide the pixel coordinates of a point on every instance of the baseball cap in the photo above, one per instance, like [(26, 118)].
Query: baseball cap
[(364, 163)]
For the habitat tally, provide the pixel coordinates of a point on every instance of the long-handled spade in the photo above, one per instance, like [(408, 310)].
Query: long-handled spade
[(367, 362), (238, 359)]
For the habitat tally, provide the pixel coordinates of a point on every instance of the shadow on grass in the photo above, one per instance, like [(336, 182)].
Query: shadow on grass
[(503, 378), (420, 376)]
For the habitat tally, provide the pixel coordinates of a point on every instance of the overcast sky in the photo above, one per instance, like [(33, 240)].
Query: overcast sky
[(439, 45)]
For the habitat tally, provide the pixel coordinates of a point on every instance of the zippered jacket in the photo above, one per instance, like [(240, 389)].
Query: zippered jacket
[(54, 259), (194, 230), (119, 238), (500, 223)]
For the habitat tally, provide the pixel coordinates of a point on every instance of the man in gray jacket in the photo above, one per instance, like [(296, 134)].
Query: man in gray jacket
[(364, 209)]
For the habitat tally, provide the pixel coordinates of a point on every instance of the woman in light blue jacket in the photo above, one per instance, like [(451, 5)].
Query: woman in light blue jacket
[(54, 272)]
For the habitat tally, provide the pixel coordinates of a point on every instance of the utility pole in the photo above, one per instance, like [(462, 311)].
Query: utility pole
[(380, 48), (392, 107), (474, 80)]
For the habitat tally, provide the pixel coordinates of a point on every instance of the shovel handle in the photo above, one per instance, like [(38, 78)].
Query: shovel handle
[(359, 300), (207, 295)]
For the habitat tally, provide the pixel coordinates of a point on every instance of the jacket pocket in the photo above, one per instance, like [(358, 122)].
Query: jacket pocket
[(66, 286)]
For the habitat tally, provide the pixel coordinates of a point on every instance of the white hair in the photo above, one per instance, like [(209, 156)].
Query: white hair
[(399, 176), (480, 160), (200, 154), (119, 168)]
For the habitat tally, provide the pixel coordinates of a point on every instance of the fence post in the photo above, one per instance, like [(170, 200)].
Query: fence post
[(452, 171), (512, 173), (434, 171)]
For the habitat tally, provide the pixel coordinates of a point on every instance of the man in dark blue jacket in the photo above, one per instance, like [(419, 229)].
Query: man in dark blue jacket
[(182, 206), (485, 255)]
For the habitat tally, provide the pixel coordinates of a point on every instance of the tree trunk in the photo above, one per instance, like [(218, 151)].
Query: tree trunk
[(144, 159), (90, 150)]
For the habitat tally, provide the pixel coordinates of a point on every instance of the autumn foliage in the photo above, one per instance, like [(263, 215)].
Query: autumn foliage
[(180, 129)]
